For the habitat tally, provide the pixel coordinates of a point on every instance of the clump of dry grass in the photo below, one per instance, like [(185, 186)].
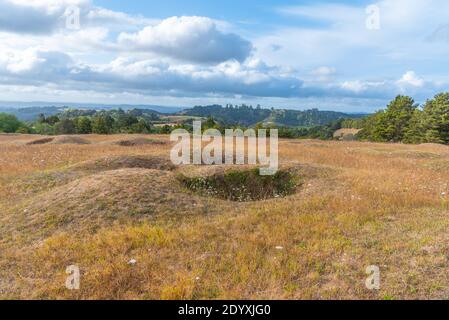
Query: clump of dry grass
[(360, 204)]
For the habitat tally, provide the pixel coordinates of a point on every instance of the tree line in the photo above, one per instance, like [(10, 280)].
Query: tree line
[(86, 122), (248, 116), (407, 122), (403, 121)]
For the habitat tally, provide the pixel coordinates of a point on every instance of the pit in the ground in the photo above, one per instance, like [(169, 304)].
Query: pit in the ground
[(243, 185)]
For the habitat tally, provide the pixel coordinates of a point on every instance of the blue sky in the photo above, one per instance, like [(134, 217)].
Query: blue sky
[(256, 11), (332, 55)]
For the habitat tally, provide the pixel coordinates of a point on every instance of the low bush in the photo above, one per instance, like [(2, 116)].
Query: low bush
[(243, 185)]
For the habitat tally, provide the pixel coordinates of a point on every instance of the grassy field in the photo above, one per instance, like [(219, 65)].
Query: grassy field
[(101, 205)]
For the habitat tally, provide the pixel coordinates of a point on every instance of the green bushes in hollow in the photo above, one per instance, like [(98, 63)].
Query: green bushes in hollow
[(243, 185)]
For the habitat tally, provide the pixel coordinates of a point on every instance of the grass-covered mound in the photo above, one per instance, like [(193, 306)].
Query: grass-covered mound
[(123, 162), (59, 140), (243, 185)]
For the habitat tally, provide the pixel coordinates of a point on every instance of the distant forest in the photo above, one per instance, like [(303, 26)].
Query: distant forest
[(403, 121), (72, 121), (249, 116), (292, 124)]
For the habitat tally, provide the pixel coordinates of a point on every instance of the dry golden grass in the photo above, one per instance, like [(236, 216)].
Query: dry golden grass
[(360, 204), (339, 134)]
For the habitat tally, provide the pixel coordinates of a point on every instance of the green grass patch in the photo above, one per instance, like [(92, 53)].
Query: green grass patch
[(243, 185)]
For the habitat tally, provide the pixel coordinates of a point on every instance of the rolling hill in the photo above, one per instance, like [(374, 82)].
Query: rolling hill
[(248, 116)]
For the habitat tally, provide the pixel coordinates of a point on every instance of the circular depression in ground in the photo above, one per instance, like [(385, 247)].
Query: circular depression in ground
[(242, 185)]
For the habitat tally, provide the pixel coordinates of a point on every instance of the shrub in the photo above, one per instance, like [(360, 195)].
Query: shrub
[(246, 185), (9, 123)]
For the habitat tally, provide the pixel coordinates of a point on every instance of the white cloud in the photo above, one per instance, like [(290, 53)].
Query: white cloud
[(252, 78), (410, 78), (227, 78), (34, 66), (115, 53), (35, 16), (323, 73), (105, 17), (195, 39), (48, 16), (32, 62), (355, 86), (365, 89)]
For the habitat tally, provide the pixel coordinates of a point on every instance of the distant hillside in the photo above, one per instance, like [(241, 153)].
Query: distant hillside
[(229, 115), (248, 116), (29, 111), (32, 113)]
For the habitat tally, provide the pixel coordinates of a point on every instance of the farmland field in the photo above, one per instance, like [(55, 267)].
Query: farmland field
[(113, 206)]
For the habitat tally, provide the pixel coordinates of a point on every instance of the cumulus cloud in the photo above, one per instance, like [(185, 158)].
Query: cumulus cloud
[(252, 78), (194, 39), (191, 57), (48, 16), (227, 78), (32, 16), (409, 83), (410, 78), (32, 66), (359, 86), (104, 17)]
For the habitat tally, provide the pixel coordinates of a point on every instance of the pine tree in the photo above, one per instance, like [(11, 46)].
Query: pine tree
[(398, 116), (416, 130), (392, 124), (436, 119)]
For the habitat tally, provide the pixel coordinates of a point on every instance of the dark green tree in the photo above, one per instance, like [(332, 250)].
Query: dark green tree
[(416, 129), (83, 125), (141, 126), (391, 124), (436, 119), (43, 128), (399, 113), (52, 120), (65, 126), (102, 124), (9, 123)]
